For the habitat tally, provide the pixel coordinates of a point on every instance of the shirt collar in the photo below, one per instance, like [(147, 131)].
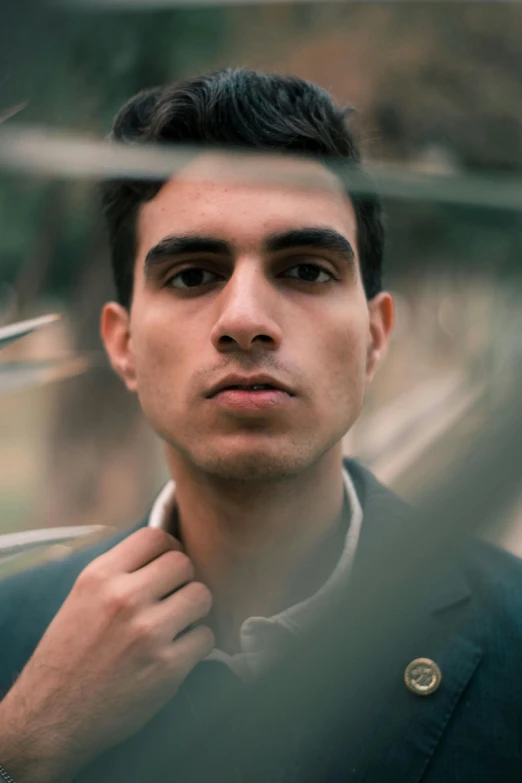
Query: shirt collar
[(164, 506), (294, 617)]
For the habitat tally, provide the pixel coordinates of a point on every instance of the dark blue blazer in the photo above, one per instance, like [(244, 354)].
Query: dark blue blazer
[(338, 710)]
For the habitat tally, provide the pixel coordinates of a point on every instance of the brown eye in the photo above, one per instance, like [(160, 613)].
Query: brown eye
[(309, 273), (192, 278)]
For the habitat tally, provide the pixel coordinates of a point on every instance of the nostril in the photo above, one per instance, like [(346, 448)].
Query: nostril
[(226, 339)]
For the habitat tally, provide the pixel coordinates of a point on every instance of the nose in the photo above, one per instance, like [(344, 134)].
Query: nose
[(246, 317)]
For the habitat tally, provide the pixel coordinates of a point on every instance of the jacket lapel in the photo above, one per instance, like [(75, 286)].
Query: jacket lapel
[(403, 729), (400, 730)]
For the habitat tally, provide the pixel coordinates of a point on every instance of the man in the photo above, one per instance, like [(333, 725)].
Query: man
[(227, 637)]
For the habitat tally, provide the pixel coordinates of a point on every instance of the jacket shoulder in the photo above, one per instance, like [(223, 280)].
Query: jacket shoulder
[(494, 575)]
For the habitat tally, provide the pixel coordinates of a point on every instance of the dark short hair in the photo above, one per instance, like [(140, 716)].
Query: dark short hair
[(237, 109)]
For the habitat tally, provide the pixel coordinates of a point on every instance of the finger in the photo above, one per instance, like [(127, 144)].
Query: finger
[(162, 576), (137, 550), (175, 614), (187, 651)]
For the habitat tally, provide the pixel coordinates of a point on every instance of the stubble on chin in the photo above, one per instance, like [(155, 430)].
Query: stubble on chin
[(276, 462), (251, 467)]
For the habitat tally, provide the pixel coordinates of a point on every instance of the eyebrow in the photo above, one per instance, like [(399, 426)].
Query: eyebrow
[(315, 237), (173, 246)]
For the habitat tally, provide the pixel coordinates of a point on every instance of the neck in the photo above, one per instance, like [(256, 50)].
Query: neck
[(247, 540)]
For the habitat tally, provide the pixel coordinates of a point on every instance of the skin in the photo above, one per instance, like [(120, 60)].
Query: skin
[(120, 624), (257, 489), (255, 492)]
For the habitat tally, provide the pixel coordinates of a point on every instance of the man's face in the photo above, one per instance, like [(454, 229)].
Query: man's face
[(249, 339)]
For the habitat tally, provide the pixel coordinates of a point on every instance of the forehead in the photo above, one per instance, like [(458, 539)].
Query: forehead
[(242, 199)]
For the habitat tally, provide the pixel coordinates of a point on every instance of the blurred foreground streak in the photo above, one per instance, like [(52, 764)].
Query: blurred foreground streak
[(47, 543)]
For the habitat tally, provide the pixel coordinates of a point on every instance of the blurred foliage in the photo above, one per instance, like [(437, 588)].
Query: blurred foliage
[(75, 69)]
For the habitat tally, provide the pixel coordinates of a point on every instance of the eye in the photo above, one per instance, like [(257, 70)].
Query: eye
[(309, 273), (192, 278)]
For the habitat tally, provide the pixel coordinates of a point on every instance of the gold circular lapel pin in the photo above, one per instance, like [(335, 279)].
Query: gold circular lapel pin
[(422, 676)]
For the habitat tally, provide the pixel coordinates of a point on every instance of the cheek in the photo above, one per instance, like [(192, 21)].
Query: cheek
[(159, 361), (344, 362)]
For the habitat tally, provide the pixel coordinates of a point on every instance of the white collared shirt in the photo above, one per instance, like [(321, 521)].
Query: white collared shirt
[(261, 637)]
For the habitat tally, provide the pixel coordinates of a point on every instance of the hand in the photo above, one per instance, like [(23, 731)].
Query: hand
[(114, 654)]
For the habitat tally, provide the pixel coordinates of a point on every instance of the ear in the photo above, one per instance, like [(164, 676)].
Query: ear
[(381, 323), (116, 336)]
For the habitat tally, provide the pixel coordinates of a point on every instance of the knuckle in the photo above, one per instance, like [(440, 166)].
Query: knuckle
[(155, 537), (199, 594), (142, 630), (119, 599), (92, 578), (181, 564), (208, 638), (167, 662), (196, 644), (204, 640)]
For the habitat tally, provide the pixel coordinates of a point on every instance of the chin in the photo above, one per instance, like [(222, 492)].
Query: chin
[(253, 456), (253, 465)]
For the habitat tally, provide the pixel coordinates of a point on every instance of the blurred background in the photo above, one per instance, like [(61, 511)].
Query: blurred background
[(437, 89)]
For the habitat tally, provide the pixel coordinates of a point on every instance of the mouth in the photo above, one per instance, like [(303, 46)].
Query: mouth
[(254, 385)]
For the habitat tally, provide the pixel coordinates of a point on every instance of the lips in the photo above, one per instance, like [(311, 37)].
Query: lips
[(257, 383)]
